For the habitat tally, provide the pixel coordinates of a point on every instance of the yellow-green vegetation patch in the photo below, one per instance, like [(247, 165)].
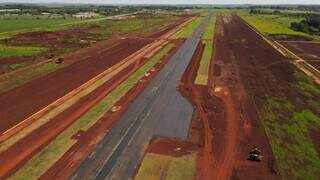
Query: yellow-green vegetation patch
[(288, 122), (274, 25), (162, 167), (209, 31), (42, 161), (188, 30), (7, 51), (203, 71), (208, 36)]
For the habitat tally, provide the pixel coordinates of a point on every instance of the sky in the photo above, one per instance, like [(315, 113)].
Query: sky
[(175, 1)]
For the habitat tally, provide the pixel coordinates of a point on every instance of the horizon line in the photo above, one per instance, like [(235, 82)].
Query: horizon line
[(97, 3)]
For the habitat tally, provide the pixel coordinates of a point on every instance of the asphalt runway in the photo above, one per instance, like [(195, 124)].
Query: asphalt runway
[(159, 111)]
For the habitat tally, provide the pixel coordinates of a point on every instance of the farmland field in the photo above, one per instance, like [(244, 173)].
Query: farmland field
[(275, 25)]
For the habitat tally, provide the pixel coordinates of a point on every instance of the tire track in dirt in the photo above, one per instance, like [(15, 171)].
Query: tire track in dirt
[(224, 163)]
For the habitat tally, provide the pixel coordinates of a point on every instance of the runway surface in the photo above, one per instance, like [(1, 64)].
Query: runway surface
[(159, 111)]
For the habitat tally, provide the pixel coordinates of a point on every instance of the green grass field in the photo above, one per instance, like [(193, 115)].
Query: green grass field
[(288, 123), (161, 167), (35, 167), (189, 28), (274, 25), (9, 27), (7, 51), (13, 25), (126, 25)]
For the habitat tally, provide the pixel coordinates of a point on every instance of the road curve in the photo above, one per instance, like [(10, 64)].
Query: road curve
[(159, 110)]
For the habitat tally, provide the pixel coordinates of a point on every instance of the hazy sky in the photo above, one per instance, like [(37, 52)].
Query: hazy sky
[(176, 1)]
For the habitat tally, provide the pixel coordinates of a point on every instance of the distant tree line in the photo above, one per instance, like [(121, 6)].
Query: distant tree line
[(35, 9), (259, 11), (283, 13), (289, 7), (70, 9), (310, 25)]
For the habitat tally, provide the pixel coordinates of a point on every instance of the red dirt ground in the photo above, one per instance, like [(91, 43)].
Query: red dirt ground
[(35, 95), (242, 129), (66, 38), (172, 147), (307, 50), (315, 136), (5, 63), (198, 95)]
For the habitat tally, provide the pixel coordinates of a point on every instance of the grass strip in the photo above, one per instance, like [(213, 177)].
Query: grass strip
[(42, 161), (162, 167), (208, 36), (188, 30), (7, 51), (209, 31), (203, 71)]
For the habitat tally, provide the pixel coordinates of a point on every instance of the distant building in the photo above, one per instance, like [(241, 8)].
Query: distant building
[(10, 10), (85, 15), (45, 14), (187, 11)]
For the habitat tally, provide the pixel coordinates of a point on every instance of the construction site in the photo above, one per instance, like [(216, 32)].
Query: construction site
[(204, 95)]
